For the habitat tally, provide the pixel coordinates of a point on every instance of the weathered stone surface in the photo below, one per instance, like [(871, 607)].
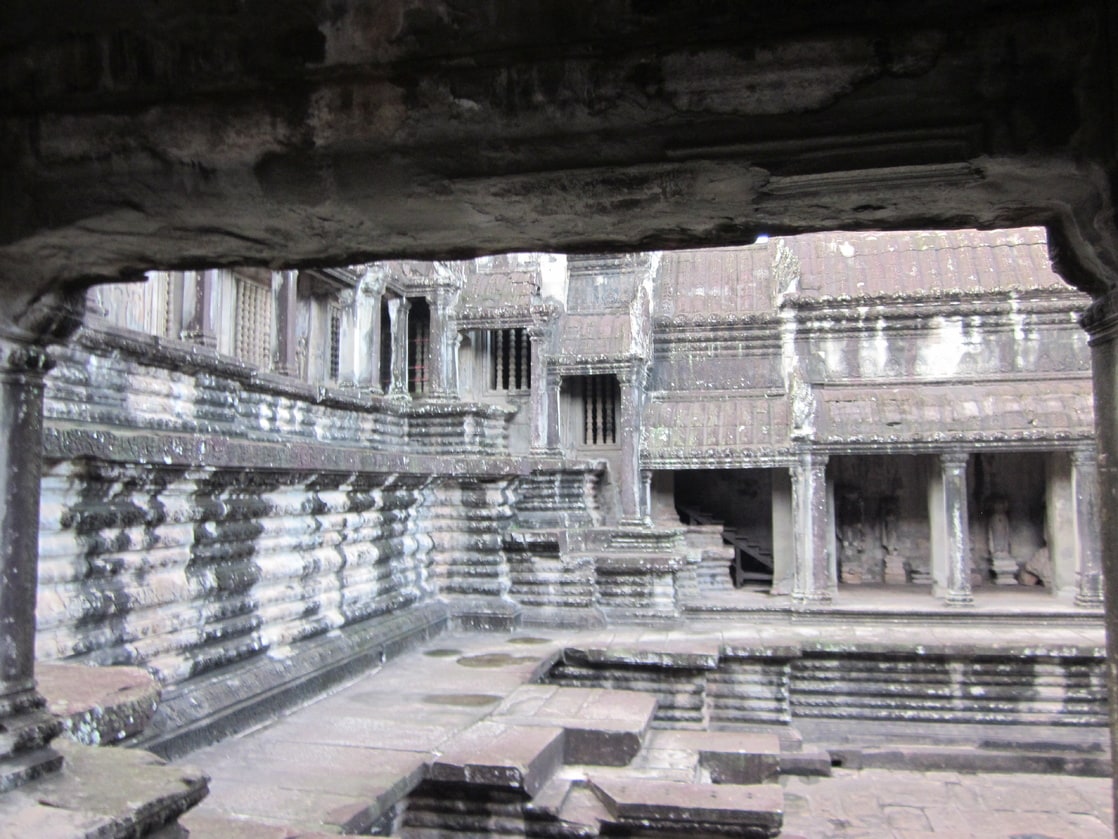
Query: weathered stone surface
[(102, 792), (98, 705), (504, 756)]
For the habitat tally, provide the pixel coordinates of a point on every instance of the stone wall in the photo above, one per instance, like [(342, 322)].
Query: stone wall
[(199, 515)]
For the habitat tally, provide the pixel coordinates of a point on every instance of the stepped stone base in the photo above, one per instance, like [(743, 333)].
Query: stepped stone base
[(103, 793)]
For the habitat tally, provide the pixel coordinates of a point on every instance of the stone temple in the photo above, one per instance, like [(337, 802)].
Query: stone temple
[(660, 403)]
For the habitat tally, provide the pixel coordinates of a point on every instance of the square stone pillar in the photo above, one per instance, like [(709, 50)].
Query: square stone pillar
[(1101, 323), (783, 533), (632, 392), (284, 301), (398, 324), (1060, 525), (543, 397), (24, 752), (1085, 480), (950, 534), (444, 345), (814, 578), (198, 308)]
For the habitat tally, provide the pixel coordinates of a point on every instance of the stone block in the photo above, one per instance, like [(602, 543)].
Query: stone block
[(722, 808), (603, 727), (492, 754)]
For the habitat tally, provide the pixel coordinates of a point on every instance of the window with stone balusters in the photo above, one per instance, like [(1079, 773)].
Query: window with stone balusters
[(419, 346), (601, 398), (252, 342), (510, 360)]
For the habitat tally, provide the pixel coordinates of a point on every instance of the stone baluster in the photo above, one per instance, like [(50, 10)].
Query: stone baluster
[(814, 578)]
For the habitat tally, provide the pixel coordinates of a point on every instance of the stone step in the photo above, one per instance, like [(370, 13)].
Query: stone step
[(603, 727), (921, 758), (101, 792), (216, 826), (326, 788), (724, 809), (726, 757), (505, 756)]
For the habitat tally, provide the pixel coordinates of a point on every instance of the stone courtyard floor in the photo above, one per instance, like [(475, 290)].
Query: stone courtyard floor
[(341, 761), (891, 804)]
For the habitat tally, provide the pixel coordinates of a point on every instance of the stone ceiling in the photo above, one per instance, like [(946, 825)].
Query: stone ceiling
[(295, 132)]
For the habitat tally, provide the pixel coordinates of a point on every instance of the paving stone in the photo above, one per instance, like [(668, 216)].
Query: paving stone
[(507, 756), (603, 727), (633, 802)]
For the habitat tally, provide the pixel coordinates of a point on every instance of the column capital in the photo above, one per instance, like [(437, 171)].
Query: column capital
[(1084, 454), (954, 459), (1100, 320)]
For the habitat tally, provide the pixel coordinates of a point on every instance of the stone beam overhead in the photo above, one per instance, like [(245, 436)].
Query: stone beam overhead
[(303, 132)]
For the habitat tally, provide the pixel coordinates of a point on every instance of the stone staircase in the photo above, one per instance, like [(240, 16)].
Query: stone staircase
[(584, 762), (746, 550)]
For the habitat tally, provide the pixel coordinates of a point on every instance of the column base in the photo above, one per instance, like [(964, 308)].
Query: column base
[(958, 598), (27, 754), (1089, 601), (812, 598)]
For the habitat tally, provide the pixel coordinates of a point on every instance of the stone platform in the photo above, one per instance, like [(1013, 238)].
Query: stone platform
[(462, 732)]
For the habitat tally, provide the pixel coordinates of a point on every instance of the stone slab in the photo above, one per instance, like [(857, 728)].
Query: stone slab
[(506, 756), (98, 705), (603, 727), (635, 802)]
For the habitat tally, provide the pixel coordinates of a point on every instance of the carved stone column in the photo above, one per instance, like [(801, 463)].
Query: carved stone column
[(444, 345), (285, 286), (398, 324), (632, 392), (1085, 479), (646, 495), (27, 727), (814, 578), (543, 403), (198, 308), (956, 534), (350, 355)]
